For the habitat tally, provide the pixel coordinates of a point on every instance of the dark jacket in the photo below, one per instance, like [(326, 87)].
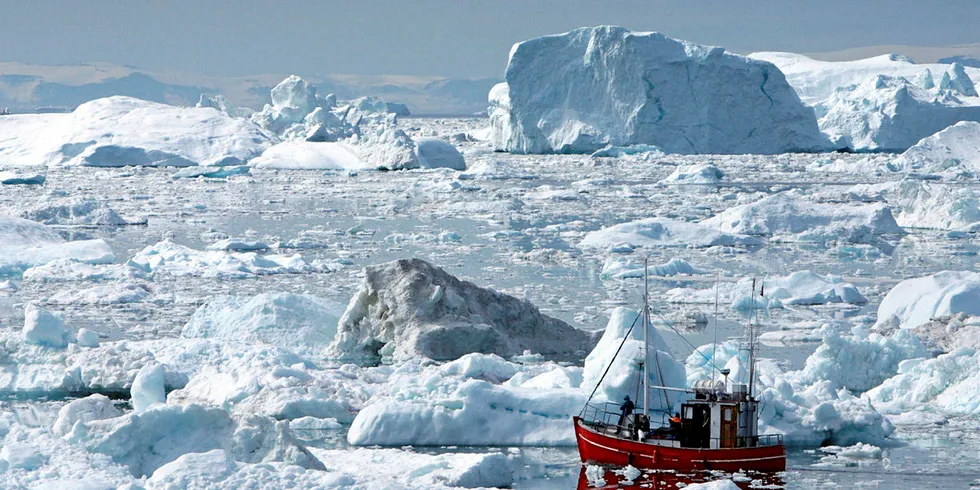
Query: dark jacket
[(627, 407)]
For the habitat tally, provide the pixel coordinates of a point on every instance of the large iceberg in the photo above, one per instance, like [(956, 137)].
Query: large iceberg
[(882, 103), (892, 114), (410, 308), (582, 90), (120, 131)]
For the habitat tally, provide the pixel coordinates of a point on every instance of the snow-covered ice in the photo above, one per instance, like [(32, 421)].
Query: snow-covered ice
[(662, 232), (119, 131), (280, 319), (791, 215), (582, 90), (914, 302)]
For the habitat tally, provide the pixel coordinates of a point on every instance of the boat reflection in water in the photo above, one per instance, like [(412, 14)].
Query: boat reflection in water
[(670, 480)]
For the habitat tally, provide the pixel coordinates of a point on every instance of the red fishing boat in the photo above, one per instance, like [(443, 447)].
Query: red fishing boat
[(717, 427)]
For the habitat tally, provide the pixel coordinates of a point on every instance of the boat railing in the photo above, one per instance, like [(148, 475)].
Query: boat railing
[(751, 441), (608, 414)]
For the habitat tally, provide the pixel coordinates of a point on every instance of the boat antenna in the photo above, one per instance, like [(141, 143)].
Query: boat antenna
[(646, 343), (714, 345)]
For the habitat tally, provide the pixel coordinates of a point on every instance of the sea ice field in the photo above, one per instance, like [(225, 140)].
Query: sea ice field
[(330, 294)]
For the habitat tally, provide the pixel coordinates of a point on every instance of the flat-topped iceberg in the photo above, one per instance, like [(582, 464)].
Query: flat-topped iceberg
[(119, 131), (410, 308), (582, 90)]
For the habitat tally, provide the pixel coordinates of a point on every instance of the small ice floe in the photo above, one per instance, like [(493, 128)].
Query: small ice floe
[(79, 212), (43, 327), (791, 216), (17, 178), (25, 244), (168, 257), (855, 455), (663, 232), (211, 172), (238, 245)]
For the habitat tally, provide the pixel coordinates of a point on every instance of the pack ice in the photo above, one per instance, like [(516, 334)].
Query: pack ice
[(882, 103), (582, 90), (410, 308)]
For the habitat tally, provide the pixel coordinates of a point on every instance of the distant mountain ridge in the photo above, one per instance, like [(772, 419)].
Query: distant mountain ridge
[(29, 88)]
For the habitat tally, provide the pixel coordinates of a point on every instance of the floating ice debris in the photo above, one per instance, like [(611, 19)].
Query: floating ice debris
[(437, 153), (16, 178), (170, 258), (148, 387)]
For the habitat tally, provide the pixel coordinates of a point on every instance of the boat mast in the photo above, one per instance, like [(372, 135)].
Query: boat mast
[(646, 345), (753, 320)]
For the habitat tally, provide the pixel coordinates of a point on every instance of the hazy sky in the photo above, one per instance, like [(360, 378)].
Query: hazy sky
[(464, 38)]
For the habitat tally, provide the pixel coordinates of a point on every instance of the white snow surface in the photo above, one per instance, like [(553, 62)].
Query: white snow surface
[(307, 155), (582, 90), (953, 152), (287, 320), (119, 131), (913, 302)]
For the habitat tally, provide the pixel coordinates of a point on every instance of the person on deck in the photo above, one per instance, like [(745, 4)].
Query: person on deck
[(675, 422), (626, 409)]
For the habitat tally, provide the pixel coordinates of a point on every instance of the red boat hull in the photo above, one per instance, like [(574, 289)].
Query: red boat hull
[(595, 447)]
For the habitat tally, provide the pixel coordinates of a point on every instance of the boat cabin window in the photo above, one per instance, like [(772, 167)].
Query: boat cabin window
[(688, 412)]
